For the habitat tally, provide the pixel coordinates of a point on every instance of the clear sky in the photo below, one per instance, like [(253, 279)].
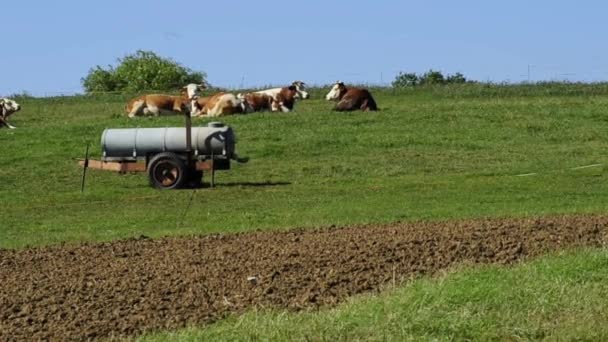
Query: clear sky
[(48, 46)]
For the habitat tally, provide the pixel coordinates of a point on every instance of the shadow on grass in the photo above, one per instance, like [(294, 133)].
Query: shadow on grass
[(251, 184), (207, 185)]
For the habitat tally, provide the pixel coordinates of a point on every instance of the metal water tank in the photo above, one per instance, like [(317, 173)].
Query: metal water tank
[(216, 139)]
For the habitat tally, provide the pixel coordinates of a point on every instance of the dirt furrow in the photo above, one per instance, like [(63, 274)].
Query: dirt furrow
[(125, 288)]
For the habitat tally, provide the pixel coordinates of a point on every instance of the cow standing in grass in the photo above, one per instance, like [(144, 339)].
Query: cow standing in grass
[(8, 107), (351, 98)]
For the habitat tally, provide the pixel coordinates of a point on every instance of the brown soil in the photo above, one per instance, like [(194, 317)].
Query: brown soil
[(127, 287)]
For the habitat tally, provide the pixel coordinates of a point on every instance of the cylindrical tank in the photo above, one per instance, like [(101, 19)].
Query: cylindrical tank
[(132, 143)]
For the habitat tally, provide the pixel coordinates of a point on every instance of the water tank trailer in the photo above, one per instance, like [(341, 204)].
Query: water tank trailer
[(173, 157)]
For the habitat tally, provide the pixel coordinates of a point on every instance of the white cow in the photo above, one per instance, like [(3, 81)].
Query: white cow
[(7, 108)]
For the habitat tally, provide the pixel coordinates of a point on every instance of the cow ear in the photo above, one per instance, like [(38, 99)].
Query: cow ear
[(293, 88)]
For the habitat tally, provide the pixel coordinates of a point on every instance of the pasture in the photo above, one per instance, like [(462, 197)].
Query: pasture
[(432, 154)]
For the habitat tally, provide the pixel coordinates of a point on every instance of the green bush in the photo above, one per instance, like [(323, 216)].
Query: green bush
[(100, 79), (406, 79), (143, 70), (457, 78), (431, 77)]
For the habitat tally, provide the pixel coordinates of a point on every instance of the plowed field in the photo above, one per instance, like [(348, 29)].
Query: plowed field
[(125, 288)]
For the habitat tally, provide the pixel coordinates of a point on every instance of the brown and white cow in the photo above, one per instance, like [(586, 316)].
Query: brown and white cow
[(220, 104), (282, 100), (160, 104), (256, 102), (7, 108), (285, 99), (351, 98), (300, 87)]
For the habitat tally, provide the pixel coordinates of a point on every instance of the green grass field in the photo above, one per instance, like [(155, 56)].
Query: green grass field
[(436, 153)]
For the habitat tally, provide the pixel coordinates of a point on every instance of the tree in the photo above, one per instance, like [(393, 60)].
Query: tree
[(143, 70)]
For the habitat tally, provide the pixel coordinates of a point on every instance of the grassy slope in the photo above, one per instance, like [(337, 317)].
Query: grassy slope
[(430, 154), (561, 297), (426, 155)]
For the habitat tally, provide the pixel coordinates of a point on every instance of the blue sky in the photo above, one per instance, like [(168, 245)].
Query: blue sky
[(49, 45)]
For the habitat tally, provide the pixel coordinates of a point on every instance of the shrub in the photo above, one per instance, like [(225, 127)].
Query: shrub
[(408, 79), (100, 79), (457, 78), (431, 77), (143, 70)]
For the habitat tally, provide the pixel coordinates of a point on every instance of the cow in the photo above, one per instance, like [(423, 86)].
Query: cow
[(283, 100), (7, 108), (351, 98), (220, 104), (160, 104), (300, 86), (257, 102)]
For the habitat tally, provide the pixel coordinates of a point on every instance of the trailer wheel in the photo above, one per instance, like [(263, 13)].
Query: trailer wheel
[(167, 171)]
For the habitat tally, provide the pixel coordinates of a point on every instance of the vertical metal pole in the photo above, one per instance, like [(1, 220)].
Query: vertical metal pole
[(84, 169), (212, 168), (189, 137)]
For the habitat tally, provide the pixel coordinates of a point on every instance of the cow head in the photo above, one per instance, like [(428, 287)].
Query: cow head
[(336, 92), (8, 107), (301, 93), (192, 91)]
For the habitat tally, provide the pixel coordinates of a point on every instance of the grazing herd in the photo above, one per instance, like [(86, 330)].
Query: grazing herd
[(191, 102)]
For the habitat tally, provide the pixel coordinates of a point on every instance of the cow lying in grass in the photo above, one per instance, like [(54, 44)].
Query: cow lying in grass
[(283, 100), (351, 98), (299, 86), (257, 102), (220, 104), (7, 108), (226, 104), (159, 104)]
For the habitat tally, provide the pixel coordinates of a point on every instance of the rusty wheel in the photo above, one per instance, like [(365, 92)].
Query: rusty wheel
[(167, 171)]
